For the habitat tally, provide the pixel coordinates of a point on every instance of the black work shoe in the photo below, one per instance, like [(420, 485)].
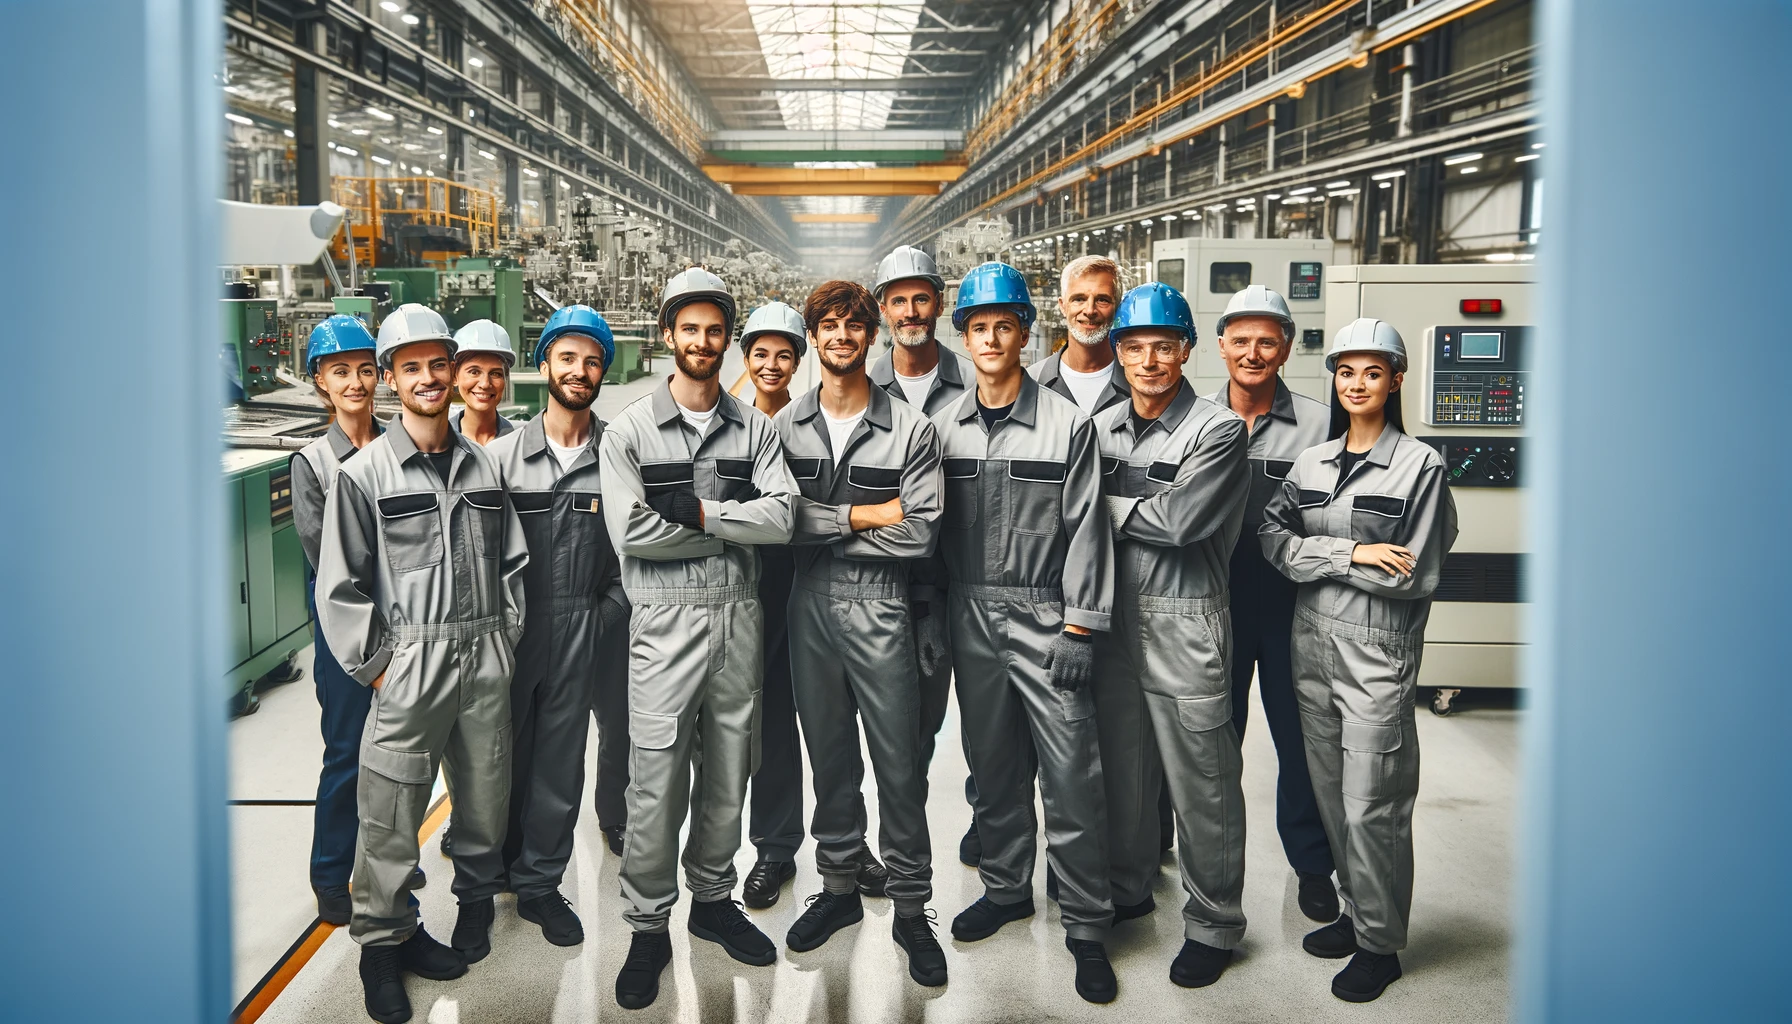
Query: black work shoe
[(766, 882), (472, 937), (1318, 897), (721, 922), (333, 904), (638, 983), (1051, 883), (872, 875), (613, 837), (1199, 965), (828, 913), (985, 917), (426, 958), (1094, 975), (1333, 942), (448, 838), (970, 848), (1366, 977), (417, 880), (559, 924), (382, 987), (1131, 911), (926, 960)]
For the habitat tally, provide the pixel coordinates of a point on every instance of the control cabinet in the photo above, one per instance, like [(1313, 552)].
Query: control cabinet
[(269, 619), (1478, 375), (254, 346)]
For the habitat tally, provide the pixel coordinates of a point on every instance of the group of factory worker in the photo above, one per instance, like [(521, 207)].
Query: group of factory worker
[(1100, 558)]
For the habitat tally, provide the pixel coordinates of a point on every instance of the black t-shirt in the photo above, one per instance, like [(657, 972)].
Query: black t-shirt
[(441, 461), (1139, 425), (991, 417), (1347, 461)]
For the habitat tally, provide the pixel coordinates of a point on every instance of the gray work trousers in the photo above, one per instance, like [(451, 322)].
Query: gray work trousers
[(609, 705), (1356, 687), (1016, 724), (444, 703), (548, 714), (1180, 650), (852, 660), (693, 709)]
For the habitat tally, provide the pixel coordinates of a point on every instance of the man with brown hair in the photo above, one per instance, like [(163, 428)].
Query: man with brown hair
[(868, 468)]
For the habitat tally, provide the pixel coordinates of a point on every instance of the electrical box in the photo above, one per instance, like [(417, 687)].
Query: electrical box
[(1470, 344), (1209, 271), (269, 619), (254, 346)]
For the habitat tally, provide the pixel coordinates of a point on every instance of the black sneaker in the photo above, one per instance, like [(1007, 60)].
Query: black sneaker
[(1131, 911), (985, 917), (448, 838), (1199, 965), (382, 986), (1051, 883), (472, 937), (1094, 975), (417, 880), (426, 958), (1333, 942), (333, 904), (559, 923), (970, 848), (828, 913), (766, 882), (1318, 897), (926, 960), (613, 837), (638, 983), (721, 922), (872, 875), (1367, 976)]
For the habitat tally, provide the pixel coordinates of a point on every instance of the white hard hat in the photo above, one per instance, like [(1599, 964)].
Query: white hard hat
[(777, 318), (484, 336), (1258, 301), (1368, 335), (695, 284), (409, 324), (903, 263)]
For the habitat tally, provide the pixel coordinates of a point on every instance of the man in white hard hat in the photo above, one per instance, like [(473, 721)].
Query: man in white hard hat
[(694, 481), (420, 595), (1084, 370), (482, 362)]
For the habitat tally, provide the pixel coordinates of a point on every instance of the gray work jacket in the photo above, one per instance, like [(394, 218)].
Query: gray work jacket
[(1397, 494), (1176, 493), (408, 557), (313, 473), (955, 377), (736, 469), (572, 565), (893, 452), (504, 425), (1294, 424), (1024, 510), (1049, 372)]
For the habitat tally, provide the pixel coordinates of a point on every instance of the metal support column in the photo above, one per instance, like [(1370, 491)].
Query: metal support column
[(311, 121)]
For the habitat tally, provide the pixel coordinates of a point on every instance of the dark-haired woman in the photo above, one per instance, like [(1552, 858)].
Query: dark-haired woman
[(1363, 523)]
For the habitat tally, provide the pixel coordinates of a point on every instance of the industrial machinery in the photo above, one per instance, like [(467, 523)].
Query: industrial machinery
[(1469, 340), (254, 345), (269, 622), (1210, 270)]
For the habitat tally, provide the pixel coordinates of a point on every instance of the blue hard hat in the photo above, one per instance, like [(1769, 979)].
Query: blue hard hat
[(339, 333), (1154, 304), (993, 284), (578, 319)]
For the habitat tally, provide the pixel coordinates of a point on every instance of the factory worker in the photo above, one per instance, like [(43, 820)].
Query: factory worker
[(693, 480), (1030, 550), (339, 360), (1256, 336), (1362, 523), (918, 370), (573, 592), (869, 472), (482, 361), (420, 595), (1175, 476), (1084, 371)]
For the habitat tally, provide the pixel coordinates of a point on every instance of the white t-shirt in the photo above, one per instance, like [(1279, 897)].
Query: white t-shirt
[(1086, 388), (565, 456), (840, 431), (699, 420), (916, 388)]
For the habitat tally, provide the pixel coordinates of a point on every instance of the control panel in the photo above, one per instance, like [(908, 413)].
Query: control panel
[(1478, 375), (1304, 279), (1480, 461), (254, 345)]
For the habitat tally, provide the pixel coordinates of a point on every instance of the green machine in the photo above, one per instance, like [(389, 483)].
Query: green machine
[(254, 345), (265, 579)]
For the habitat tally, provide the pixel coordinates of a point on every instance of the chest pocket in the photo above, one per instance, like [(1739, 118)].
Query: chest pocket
[(807, 472), (961, 491), (872, 485), (665, 477), (1312, 511), (1377, 518), (485, 513), (734, 480), (1036, 490), (1159, 476), (411, 530)]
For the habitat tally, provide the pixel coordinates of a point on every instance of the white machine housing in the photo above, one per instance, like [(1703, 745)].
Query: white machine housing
[(1474, 637), (1295, 267)]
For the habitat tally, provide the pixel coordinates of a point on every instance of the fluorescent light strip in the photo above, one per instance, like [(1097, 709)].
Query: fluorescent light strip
[(1462, 158)]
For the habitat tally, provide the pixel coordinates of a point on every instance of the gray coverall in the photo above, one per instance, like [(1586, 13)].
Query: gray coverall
[(1029, 545), (573, 587), (694, 635), (1176, 493), (313, 473), (1359, 634), (852, 642), (421, 579), (1048, 372), (505, 426)]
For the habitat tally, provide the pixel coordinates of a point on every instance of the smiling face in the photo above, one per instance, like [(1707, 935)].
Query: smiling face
[(771, 362), (841, 341), (911, 307), (480, 379), (574, 368), (994, 336), (1364, 381), (347, 381), (1152, 358), (698, 336), (1254, 348), (420, 376), (1088, 305)]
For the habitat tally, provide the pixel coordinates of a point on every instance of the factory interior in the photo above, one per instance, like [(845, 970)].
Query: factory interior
[(1600, 824)]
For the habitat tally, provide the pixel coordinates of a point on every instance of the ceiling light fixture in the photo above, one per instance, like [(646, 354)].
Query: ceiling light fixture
[(382, 161), (1338, 184), (348, 151), (433, 130), (411, 19), (1501, 257), (238, 118), (1303, 190), (381, 114), (388, 5), (1462, 158), (531, 172), (1527, 158), (475, 62), (1470, 170), (357, 131), (1387, 175), (1538, 145), (488, 156), (288, 133)]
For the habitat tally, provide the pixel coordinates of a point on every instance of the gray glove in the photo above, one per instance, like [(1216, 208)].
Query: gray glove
[(1071, 661), (930, 638), (678, 507)]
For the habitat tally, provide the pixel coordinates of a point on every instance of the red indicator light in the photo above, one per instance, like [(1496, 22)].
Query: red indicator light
[(1482, 307)]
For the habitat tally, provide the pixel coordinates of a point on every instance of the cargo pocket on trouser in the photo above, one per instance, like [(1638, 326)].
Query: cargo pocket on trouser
[(650, 731), (1202, 715), (1076, 705), (388, 775), (1371, 755)]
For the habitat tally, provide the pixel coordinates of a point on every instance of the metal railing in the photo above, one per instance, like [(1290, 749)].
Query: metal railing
[(379, 207)]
